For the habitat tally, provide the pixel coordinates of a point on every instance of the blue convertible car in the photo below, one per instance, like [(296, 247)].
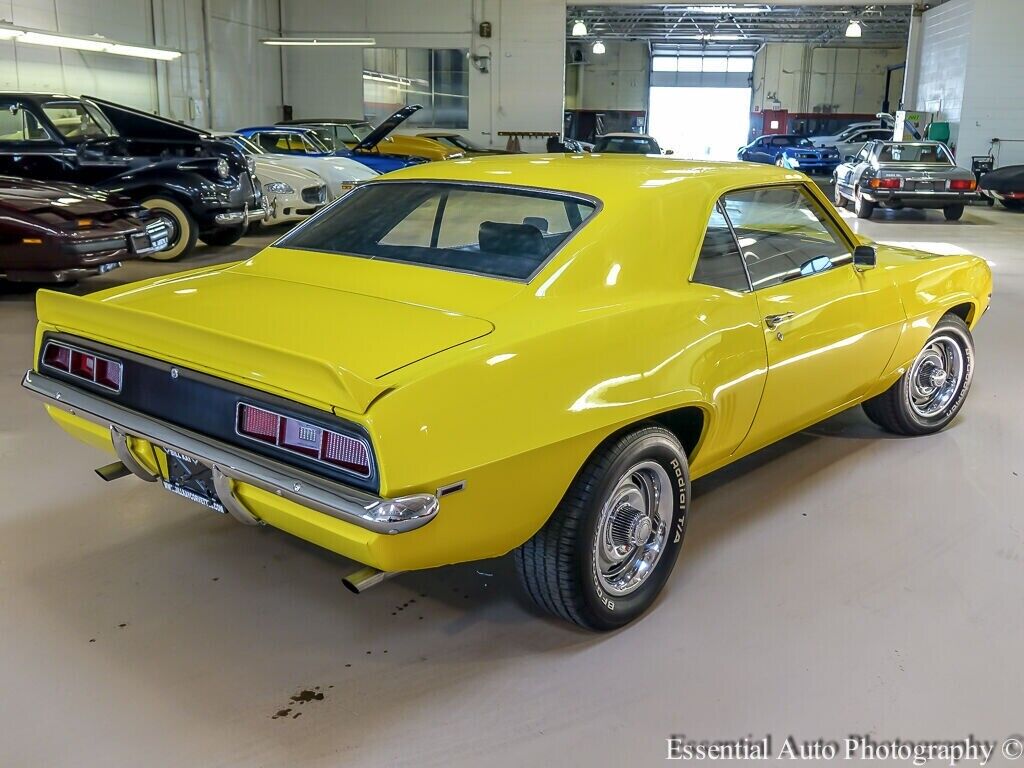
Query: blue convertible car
[(791, 151)]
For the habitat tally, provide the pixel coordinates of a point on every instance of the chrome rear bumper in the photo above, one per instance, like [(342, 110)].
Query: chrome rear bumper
[(231, 463)]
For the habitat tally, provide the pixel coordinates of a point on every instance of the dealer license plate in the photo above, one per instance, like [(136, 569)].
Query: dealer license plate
[(191, 479)]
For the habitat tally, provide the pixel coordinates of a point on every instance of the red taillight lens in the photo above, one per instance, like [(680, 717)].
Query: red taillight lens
[(258, 424), (963, 185), (304, 438), (83, 365), (57, 356), (886, 183), (345, 452)]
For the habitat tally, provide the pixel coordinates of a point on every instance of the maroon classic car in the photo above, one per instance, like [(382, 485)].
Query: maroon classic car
[(52, 232)]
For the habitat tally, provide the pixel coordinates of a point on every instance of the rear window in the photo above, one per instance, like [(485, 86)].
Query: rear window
[(627, 144), (493, 231), (915, 153)]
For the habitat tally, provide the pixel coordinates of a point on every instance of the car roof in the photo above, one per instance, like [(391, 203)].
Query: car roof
[(325, 121), (626, 134), (605, 176), (278, 128)]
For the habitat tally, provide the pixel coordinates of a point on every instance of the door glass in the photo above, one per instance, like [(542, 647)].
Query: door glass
[(719, 262), (784, 235)]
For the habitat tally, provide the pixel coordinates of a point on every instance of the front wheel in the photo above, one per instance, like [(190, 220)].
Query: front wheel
[(838, 197), (780, 162), (181, 228), (604, 555), (953, 212), (932, 391)]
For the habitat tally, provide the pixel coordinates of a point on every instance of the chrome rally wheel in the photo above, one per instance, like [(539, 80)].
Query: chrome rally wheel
[(933, 389), (633, 528)]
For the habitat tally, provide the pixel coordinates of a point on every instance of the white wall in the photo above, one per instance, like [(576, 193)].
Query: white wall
[(802, 78), (945, 37), (616, 79), (187, 89), (522, 90)]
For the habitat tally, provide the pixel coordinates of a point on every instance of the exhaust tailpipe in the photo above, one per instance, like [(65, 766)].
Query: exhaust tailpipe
[(361, 580), (113, 471)]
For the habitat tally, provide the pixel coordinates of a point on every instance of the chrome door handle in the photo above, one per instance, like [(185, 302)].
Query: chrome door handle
[(774, 321)]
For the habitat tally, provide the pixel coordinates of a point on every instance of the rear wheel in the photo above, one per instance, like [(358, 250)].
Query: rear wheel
[(953, 212), (181, 228), (863, 208), (931, 392), (223, 236), (1013, 205), (604, 555)]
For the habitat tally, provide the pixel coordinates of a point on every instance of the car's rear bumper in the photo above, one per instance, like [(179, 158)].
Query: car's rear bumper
[(921, 199), (231, 465)]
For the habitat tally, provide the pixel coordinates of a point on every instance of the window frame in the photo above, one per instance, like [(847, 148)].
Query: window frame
[(732, 233), (456, 184), (822, 211)]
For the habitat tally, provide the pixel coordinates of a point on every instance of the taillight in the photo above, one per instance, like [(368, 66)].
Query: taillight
[(962, 185), (83, 365), (893, 183), (303, 438)]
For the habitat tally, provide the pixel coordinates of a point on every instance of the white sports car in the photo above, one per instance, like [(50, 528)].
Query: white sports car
[(340, 174), (292, 194)]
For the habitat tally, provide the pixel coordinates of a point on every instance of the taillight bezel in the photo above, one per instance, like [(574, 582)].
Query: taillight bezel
[(79, 353), (277, 443)]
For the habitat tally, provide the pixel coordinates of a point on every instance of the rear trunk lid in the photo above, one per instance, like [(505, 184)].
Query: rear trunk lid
[(315, 343)]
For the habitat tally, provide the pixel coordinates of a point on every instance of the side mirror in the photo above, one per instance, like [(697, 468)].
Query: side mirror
[(670, 151), (864, 257)]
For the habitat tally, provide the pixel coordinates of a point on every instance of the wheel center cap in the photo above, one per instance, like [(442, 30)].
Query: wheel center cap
[(641, 531), (938, 377)]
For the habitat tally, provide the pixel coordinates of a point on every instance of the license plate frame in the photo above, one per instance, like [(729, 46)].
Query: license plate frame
[(191, 479)]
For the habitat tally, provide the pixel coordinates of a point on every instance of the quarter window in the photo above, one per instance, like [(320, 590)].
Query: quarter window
[(783, 235), (719, 262), (18, 124)]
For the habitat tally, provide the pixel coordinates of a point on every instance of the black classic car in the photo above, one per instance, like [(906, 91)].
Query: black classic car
[(201, 186), (51, 232), (1005, 185)]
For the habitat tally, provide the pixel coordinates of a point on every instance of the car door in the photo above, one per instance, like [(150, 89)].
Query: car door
[(848, 173), (828, 328)]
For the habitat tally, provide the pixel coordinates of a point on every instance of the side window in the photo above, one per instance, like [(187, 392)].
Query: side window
[(20, 125), (784, 235), (719, 262)]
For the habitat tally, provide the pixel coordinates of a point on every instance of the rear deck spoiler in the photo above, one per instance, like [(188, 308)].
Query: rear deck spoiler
[(326, 385)]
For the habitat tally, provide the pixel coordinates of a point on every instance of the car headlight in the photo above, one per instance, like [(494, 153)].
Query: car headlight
[(250, 163), (223, 169), (278, 188)]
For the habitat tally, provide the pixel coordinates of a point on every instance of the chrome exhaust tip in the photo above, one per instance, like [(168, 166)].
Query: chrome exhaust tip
[(113, 471), (366, 577)]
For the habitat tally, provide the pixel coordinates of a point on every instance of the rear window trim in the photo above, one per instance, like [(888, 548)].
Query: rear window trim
[(545, 192)]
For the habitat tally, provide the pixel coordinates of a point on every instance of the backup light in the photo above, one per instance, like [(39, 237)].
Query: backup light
[(83, 365), (303, 438), (893, 183), (963, 185)]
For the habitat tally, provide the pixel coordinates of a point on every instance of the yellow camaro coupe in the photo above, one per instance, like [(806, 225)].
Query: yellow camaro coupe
[(527, 353)]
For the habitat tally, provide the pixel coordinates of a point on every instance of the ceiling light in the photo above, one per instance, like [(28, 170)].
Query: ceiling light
[(94, 43), (719, 10), (579, 29), (365, 41), (853, 28), (598, 47)]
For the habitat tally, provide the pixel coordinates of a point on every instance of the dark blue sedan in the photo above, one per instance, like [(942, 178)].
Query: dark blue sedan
[(791, 151)]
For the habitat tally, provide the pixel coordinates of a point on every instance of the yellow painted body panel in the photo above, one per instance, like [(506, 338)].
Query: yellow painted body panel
[(417, 146), (510, 386)]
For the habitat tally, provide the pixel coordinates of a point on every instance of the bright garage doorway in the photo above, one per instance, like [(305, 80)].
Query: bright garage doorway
[(700, 105)]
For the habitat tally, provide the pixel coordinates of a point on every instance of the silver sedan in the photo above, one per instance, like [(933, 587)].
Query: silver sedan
[(898, 174)]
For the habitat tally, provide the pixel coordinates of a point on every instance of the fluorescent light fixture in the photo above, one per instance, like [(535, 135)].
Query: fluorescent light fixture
[(311, 41), (598, 48), (853, 29), (93, 43), (579, 29), (718, 10)]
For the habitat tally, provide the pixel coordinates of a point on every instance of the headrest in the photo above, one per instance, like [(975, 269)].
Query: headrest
[(511, 239)]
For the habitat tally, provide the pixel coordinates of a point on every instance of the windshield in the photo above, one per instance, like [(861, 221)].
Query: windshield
[(914, 153), (246, 146), (636, 145), (78, 121), (791, 141), (486, 230), (459, 142)]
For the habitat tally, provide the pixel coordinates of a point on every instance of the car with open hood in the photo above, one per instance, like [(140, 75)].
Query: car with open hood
[(339, 174), (359, 136), (530, 353), (904, 174), (459, 142), (201, 186), (790, 151), (305, 142), (54, 232)]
